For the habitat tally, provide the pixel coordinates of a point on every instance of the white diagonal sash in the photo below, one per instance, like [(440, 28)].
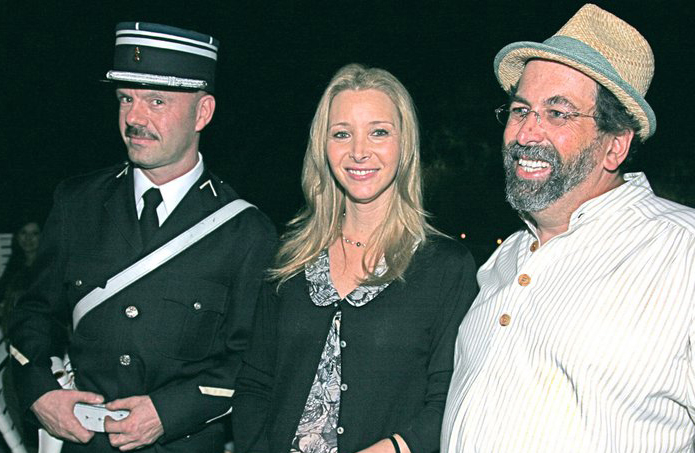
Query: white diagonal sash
[(155, 259)]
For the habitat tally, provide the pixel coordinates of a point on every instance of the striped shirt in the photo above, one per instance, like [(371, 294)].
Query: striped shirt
[(583, 344)]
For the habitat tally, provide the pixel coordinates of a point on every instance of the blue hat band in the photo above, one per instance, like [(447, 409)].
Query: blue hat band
[(583, 53)]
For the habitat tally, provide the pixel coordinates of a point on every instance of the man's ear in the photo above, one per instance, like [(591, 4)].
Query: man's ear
[(617, 149), (204, 111)]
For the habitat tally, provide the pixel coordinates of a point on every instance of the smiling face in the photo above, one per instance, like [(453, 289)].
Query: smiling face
[(543, 163), (160, 129), (363, 145)]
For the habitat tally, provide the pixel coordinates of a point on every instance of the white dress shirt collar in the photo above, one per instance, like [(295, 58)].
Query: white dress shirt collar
[(172, 192), (615, 200)]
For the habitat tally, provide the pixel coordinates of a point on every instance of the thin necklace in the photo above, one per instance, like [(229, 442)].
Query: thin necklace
[(355, 243), (349, 241)]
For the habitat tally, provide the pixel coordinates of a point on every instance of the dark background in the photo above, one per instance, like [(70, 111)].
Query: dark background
[(276, 57)]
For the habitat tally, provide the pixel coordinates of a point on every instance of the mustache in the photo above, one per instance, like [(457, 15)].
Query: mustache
[(139, 132), (536, 152)]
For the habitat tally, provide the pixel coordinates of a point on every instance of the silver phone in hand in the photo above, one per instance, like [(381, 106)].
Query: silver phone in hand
[(92, 416)]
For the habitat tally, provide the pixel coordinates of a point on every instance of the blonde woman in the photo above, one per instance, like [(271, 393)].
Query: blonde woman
[(353, 342)]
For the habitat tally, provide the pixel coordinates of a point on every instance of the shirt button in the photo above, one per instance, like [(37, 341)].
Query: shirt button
[(534, 246), (340, 430), (124, 360), (344, 387), (343, 343), (505, 319), (524, 280), (197, 306), (78, 283), (132, 311)]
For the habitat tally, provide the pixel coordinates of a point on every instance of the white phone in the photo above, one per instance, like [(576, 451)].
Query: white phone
[(92, 415)]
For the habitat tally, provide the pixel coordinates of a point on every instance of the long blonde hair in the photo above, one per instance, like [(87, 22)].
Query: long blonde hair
[(318, 224)]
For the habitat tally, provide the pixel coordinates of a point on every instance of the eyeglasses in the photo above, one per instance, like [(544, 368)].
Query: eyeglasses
[(516, 115)]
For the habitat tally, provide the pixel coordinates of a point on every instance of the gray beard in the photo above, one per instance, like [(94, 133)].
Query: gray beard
[(532, 196)]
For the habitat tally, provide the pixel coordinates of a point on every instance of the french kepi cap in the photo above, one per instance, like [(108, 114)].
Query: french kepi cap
[(600, 45), (160, 55)]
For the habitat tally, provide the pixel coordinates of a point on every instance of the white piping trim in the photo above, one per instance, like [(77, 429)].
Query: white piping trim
[(209, 45), (208, 183), (151, 79), (220, 416), (18, 356), (166, 45), (157, 258), (216, 391), (124, 171)]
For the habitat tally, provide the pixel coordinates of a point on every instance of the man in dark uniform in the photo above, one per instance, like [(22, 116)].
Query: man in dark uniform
[(167, 348)]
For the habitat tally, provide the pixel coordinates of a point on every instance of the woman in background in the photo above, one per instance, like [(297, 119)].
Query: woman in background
[(353, 342), (17, 275), (15, 281)]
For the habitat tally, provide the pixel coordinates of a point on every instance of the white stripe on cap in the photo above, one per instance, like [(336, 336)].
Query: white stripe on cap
[(155, 34), (137, 41)]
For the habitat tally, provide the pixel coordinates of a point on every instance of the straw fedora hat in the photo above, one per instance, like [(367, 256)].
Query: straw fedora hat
[(600, 45)]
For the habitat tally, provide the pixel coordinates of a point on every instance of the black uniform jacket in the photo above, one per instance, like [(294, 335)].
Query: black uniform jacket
[(176, 335)]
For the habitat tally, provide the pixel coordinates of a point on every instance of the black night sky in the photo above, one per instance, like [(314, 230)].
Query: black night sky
[(276, 57)]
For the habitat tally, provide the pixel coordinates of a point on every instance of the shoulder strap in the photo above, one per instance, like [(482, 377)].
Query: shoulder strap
[(155, 259)]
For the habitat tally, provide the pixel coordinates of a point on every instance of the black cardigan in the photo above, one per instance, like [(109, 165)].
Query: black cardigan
[(397, 361)]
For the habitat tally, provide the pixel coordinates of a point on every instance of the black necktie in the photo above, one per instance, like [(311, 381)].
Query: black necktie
[(148, 219)]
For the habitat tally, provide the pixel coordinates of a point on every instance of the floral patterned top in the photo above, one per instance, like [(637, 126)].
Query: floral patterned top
[(317, 429)]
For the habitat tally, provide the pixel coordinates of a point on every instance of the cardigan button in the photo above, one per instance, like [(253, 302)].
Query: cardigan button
[(344, 387), (343, 343), (124, 360), (340, 430)]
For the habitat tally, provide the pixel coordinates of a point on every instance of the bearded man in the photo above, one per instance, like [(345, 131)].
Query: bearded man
[(580, 339)]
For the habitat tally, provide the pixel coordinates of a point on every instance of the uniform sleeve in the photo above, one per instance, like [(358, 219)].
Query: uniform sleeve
[(254, 386), (456, 292), (38, 328), (187, 405)]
